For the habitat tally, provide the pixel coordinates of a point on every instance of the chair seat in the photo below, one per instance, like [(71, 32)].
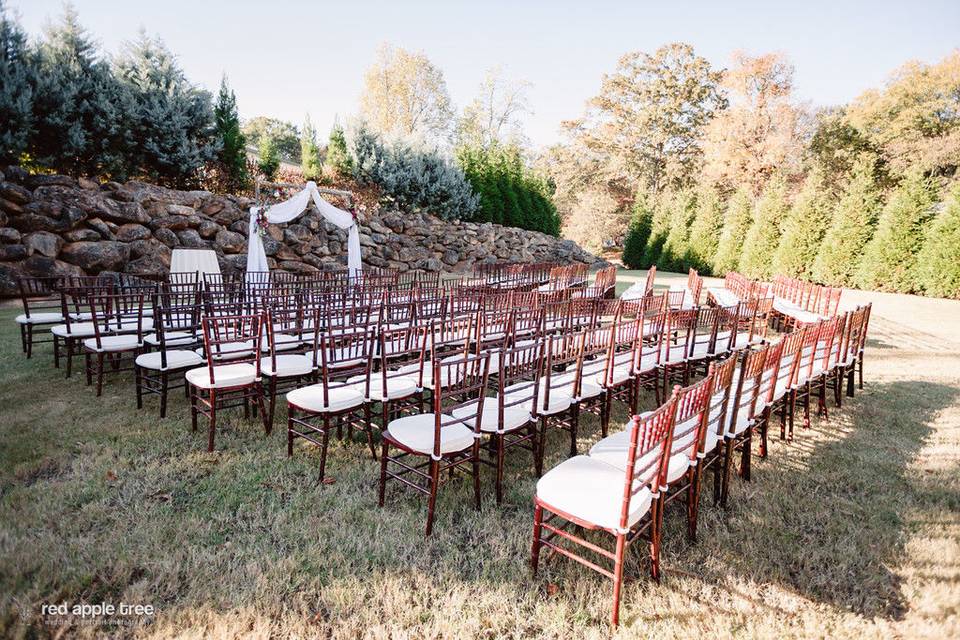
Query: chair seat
[(559, 401), (723, 296), (741, 424), (39, 318), (614, 448), (176, 359), (591, 490), (287, 365), (514, 417), (398, 386), (710, 441), (417, 433), (172, 338), (619, 375), (451, 375), (589, 386), (282, 342), (224, 376), (75, 330), (673, 354), (122, 342), (339, 398)]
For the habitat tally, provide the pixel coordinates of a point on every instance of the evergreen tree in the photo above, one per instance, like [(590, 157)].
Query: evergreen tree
[(705, 230), (683, 207), (763, 237), (938, 265), (77, 104), (803, 230), (890, 258), (233, 149), (736, 223), (269, 161), (638, 233), (338, 158), (309, 152), (853, 223), (659, 228), (16, 95), (170, 119)]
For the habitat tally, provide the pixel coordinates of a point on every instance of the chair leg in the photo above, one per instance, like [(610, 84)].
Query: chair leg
[(860, 371), (850, 382), (618, 577), (273, 399), (368, 427), (498, 440), (213, 420), (605, 407), (806, 408), (656, 533), (164, 387), (267, 419), (764, 426), (323, 446), (29, 344), (23, 338), (574, 424), (434, 487), (475, 464), (99, 374), (193, 406), (138, 374), (535, 549), (385, 449), (56, 352), (290, 414)]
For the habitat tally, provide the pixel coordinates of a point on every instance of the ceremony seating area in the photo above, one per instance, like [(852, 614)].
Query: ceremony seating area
[(446, 376)]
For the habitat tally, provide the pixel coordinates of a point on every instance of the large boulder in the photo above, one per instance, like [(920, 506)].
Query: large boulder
[(44, 243), (12, 252), (44, 267), (15, 193), (190, 239), (131, 232), (95, 257), (229, 242)]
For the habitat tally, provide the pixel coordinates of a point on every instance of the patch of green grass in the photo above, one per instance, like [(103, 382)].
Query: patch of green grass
[(101, 502)]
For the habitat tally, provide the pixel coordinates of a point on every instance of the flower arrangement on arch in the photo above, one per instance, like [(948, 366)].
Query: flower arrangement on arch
[(262, 222)]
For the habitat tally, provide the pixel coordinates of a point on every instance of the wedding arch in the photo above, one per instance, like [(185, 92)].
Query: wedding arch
[(291, 209)]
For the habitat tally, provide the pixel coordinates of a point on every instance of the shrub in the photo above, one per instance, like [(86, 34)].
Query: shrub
[(638, 233), (890, 258), (269, 159), (803, 229), (764, 234), (338, 158), (853, 222), (233, 144), (309, 152), (736, 223), (938, 265), (413, 178), (659, 228), (509, 192), (16, 94), (705, 230)]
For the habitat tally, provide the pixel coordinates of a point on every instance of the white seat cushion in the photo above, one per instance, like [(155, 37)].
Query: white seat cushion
[(75, 330), (123, 342), (679, 463), (172, 338), (283, 342), (340, 398), (592, 491), (673, 354), (742, 421), (710, 441), (224, 375), (176, 359), (559, 401), (589, 387), (723, 296), (287, 365), (417, 433), (514, 416), (39, 318), (619, 375), (231, 350), (614, 448), (451, 375), (397, 386)]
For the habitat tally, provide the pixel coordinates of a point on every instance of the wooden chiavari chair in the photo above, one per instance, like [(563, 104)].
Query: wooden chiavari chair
[(118, 325), (623, 501), (42, 308), (746, 410)]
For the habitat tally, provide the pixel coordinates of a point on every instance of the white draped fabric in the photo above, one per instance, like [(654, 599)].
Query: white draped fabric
[(291, 209)]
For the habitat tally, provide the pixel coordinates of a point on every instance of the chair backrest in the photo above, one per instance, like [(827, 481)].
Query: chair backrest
[(772, 365), (232, 339), (703, 340), (692, 402), (719, 400), (176, 308), (459, 394), (648, 454), (338, 356), (624, 338), (675, 299), (40, 295), (518, 377), (562, 351), (651, 277), (397, 350), (747, 389), (116, 313)]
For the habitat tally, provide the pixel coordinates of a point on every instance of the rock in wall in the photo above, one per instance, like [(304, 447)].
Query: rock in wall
[(56, 225)]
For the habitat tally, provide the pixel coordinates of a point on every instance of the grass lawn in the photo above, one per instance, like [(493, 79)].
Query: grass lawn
[(851, 530)]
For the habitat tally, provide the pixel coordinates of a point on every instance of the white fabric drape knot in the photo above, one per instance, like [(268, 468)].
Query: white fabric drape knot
[(291, 209)]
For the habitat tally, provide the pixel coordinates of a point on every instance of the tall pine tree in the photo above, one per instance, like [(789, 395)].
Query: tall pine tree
[(938, 265), (233, 144), (890, 258), (77, 104), (683, 207), (705, 230), (309, 151), (803, 230), (269, 161), (638, 233), (659, 228), (764, 235), (853, 222), (16, 94), (171, 120), (736, 222), (338, 159)]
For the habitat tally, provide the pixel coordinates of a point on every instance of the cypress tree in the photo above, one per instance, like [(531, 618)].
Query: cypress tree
[(659, 228), (338, 158), (309, 152), (233, 144), (705, 230), (853, 222), (938, 265), (890, 258), (803, 230), (638, 233), (764, 234), (683, 207), (269, 161), (736, 223), (16, 95)]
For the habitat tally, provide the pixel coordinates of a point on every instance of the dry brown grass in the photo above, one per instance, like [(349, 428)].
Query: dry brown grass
[(852, 530)]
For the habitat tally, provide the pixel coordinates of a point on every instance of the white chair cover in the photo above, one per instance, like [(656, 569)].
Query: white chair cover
[(194, 260), (292, 208)]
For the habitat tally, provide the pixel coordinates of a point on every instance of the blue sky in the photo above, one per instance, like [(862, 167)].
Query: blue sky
[(286, 58)]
